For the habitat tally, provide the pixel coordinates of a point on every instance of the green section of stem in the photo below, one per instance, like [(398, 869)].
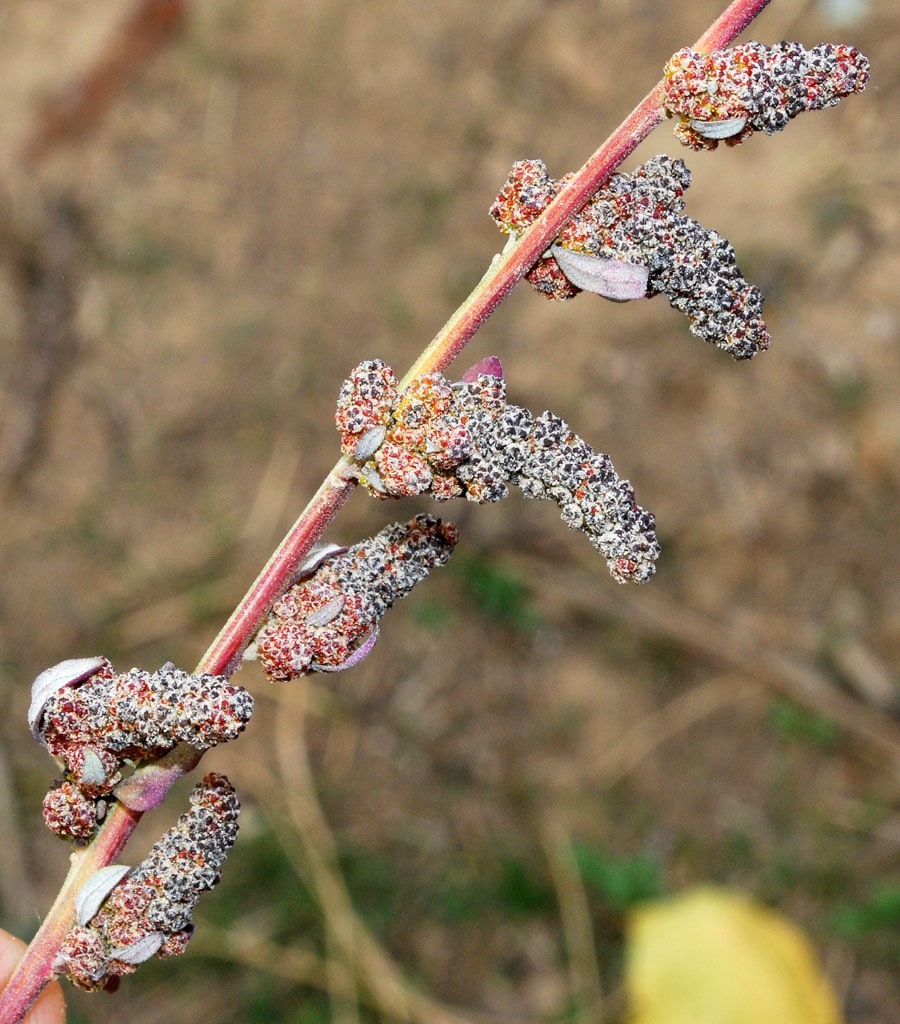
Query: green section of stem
[(36, 968)]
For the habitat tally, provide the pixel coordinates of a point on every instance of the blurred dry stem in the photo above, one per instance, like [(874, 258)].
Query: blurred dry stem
[(656, 613), (15, 878), (317, 845), (357, 950), (46, 275), (695, 705), (80, 106), (575, 916)]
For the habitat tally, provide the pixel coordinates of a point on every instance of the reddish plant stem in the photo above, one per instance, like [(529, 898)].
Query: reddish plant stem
[(35, 970), (222, 657)]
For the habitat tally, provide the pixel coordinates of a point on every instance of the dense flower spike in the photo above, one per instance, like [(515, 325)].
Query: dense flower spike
[(636, 219), (465, 438), (149, 913), (730, 94), (138, 715), (365, 402), (327, 621), (104, 719), (71, 813)]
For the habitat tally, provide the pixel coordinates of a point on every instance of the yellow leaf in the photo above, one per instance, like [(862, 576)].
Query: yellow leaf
[(712, 957)]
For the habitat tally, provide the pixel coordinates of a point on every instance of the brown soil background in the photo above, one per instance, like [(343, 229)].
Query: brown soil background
[(290, 188)]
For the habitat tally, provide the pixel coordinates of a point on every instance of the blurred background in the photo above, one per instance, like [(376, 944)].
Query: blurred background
[(209, 213)]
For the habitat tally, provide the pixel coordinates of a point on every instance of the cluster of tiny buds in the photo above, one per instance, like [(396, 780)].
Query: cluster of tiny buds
[(632, 240), (327, 621), (94, 720), (125, 917), (730, 94), (464, 438)]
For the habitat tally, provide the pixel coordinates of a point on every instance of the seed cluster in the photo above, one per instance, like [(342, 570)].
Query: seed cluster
[(109, 718), (322, 621), (637, 218), (149, 913), (764, 86), (71, 813), (465, 438), (366, 401)]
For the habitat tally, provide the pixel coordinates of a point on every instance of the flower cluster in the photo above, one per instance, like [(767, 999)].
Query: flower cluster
[(730, 94), (329, 621), (149, 913), (636, 219), (93, 721), (464, 438)]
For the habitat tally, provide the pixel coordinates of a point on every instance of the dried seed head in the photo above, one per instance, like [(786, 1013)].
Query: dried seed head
[(730, 94), (100, 720), (327, 623), (635, 220), (70, 812), (466, 439), (365, 402), (112, 717), (148, 913)]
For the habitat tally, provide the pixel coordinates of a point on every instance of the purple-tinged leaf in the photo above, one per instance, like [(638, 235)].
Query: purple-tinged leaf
[(613, 279), (147, 787), (490, 365), (355, 658)]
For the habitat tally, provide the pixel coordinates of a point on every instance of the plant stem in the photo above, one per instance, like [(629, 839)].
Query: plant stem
[(35, 969), (223, 657), (224, 652)]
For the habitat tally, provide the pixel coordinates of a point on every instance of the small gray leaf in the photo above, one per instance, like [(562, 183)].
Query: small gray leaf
[(329, 611), (93, 772), (613, 279), (369, 443), (723, 129), (95, 890), (66, 673), (139, 951)]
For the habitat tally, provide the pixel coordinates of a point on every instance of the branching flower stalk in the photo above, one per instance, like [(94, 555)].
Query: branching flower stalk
[(622, 236), (505, 271)]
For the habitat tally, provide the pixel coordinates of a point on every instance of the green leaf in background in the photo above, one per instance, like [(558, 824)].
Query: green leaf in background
[(621, 881)]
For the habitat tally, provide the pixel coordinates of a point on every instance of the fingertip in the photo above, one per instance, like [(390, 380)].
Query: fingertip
[(50, 1007)]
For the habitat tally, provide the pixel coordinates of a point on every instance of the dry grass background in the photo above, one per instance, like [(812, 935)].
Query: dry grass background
[(290, 188)]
